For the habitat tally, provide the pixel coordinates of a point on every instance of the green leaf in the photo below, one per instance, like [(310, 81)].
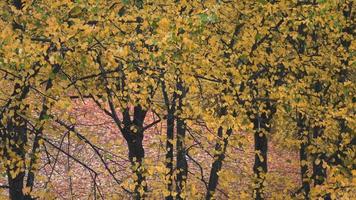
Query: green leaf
[(204, 18), (75, 12), (288, 108), (258, 37), (262, 2), (63, 77), (126, 2), (46, 117)]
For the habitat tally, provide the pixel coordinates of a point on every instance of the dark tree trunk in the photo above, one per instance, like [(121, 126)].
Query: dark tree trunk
[(319, 173), (303, 156), (303, 132), (17, 4), (217, 164), (136, 156), (261, 123), (36, 143), (16, 186), (169, 151), (182, 165), (16, 133), (260, 165), (133, 132)]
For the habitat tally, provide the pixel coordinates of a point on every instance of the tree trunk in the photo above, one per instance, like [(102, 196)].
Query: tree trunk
[(133, 132), (17, 134), (15, 139), (182, 165), (319, 173), (217, 164), (303, 157), (261, 123), (303, 132), (136, 156), (17, 4), (260, 165), (16, 186), (36, 143), (169, 152)]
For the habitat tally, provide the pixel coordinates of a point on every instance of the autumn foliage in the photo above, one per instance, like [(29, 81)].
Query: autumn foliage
[(184, 99)]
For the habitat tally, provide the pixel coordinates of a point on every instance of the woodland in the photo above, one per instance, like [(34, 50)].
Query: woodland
[(177, 99)]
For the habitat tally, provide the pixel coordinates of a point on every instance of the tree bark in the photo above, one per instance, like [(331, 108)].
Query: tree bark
[(303, 132), (260, 165), (169, 152), (17, 134), (17, 4), (15, 138), (261, 123), (136, 156), (303, 157), (217, 164), (36, 143), (319, 173), (133, 132), (182, 165)]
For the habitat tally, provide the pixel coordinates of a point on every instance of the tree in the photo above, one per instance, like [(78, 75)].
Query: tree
[(210, 72)]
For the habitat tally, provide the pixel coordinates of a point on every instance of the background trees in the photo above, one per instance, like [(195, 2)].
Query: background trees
[(190, 86)]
